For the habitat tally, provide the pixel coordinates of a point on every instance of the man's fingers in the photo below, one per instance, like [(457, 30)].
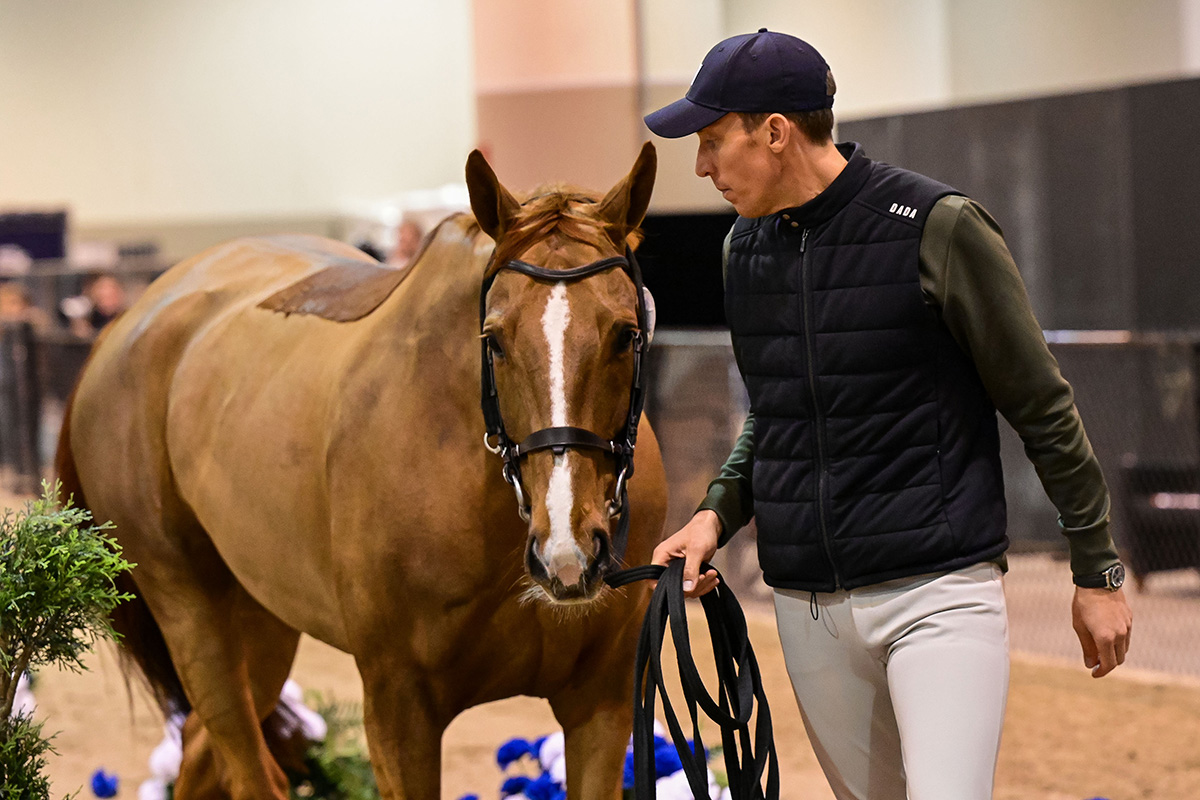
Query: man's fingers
[(668, 550), (705, 584), (691, 570), (1108, 660), (1090, 656)]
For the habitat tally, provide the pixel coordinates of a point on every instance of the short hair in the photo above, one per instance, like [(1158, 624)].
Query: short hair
[(817, 126)]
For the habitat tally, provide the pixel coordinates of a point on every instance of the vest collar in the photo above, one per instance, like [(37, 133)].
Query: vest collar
[(837, 195)]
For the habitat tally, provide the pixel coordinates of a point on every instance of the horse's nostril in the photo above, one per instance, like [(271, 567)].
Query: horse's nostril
[(600, 544), (533, 561)]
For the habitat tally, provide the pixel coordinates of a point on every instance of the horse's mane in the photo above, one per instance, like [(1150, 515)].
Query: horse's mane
[(560, 211)]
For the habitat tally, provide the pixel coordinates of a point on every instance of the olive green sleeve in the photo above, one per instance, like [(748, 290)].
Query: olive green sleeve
[(730, 494), (968, 273)]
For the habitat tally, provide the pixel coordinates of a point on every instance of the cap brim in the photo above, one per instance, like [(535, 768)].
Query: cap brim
[(682, 118)]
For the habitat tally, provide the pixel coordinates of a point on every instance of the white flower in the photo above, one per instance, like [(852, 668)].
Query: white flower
[(552, 749), (165, 760), (676, 787), (312, 724), (24, 702), (152, 789), (173, 729), (558, 770), (673, 787)]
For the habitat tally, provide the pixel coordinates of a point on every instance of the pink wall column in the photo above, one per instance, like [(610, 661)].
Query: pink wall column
[(557, 90)]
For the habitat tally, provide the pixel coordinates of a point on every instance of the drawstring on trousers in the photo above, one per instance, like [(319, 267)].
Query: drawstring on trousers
[(813, 608)]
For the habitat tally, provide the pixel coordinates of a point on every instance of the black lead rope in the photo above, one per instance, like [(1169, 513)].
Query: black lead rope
[(739, 682)]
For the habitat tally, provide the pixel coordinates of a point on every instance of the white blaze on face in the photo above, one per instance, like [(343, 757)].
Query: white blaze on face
[(560, 554)]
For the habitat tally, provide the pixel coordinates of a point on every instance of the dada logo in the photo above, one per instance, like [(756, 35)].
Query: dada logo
[(903, 211)]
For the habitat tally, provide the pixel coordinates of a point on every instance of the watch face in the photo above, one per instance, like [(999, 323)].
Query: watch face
[(1116, 576)]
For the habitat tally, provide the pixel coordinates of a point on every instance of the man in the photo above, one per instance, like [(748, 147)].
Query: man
[(879, 323)]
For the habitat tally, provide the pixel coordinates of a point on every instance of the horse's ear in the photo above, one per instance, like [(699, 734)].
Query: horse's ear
[(625, 205), (493, 205)]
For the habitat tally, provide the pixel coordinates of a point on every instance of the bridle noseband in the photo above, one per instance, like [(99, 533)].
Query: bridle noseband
[(559, 439)]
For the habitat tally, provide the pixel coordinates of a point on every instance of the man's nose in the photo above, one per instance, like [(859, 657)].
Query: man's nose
[(702, 167)]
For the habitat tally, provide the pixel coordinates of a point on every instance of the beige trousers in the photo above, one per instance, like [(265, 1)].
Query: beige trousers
[(902, 685)]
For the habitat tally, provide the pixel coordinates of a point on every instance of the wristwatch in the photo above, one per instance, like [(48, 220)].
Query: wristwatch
[(1112, 578)]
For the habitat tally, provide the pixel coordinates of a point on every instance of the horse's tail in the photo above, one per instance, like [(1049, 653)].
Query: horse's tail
[(142, 644), (141, 641)]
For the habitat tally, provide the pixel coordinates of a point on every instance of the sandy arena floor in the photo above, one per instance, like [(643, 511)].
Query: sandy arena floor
[(1067, 736)]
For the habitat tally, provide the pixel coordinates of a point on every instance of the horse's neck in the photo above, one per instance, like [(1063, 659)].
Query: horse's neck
[(440, 297)]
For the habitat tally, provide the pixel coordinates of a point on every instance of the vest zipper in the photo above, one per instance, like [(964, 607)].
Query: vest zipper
[(819, 416)]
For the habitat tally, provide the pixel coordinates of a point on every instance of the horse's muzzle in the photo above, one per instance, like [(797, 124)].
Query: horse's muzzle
[(573, 582)]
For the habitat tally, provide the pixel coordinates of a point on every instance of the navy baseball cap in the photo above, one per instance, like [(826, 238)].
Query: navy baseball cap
[(754, 72)]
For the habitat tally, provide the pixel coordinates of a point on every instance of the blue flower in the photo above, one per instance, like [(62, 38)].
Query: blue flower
[(514, 786), (628, 783), (469, 797), (514, 750), (543, 788), (666, 760), (103, 784)]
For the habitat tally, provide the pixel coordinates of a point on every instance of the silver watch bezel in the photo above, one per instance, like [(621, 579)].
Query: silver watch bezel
[(1114, 577)]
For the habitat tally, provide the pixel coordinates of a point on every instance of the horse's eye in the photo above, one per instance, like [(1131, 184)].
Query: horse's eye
[(494, 346), (626, 339)]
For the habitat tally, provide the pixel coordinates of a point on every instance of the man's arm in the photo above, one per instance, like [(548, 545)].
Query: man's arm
[(968, 273), (727, 507), (730, 495)]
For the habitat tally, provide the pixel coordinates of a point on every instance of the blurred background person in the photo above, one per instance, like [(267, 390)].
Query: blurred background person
[(408, 243), (103, 299), (16, 307)]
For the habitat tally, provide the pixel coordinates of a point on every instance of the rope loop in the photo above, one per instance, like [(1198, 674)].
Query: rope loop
[(746, 735)]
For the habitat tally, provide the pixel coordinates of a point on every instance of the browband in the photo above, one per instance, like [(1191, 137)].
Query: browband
[(572, 274)]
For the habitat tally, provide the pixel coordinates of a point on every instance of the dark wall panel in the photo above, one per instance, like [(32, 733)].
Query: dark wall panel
[(1097, 194), (1165, 123), (1088, 226)]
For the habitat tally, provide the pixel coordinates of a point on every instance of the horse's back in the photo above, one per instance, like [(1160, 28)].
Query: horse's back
[(200, 403)]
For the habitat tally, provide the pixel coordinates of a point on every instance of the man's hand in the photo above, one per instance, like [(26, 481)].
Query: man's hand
[(1103, 622), (694, 542)]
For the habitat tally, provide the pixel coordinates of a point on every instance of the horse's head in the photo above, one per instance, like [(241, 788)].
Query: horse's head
[(562, 348)]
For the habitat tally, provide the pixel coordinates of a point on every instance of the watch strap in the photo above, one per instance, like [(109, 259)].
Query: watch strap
[(1111, 579), (1097, 580)]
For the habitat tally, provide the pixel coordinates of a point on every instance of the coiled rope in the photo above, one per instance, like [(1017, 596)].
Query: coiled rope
[(747, 757)]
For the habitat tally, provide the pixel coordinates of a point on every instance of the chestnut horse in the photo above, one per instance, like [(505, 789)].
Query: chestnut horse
[(288, 438)]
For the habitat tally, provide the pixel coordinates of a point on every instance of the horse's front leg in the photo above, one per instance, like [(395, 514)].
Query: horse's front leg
[(404, 729), (596, 719)]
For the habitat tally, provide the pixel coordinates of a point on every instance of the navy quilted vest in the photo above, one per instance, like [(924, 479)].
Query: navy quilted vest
[(876, 452)]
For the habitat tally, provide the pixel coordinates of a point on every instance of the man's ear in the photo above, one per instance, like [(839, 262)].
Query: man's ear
[(779, 132)]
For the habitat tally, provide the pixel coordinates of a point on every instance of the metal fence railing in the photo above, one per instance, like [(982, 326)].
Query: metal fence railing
[(1139, 396)]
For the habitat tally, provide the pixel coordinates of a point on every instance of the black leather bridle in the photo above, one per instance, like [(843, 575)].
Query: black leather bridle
[(747, 761), (558, 439)]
